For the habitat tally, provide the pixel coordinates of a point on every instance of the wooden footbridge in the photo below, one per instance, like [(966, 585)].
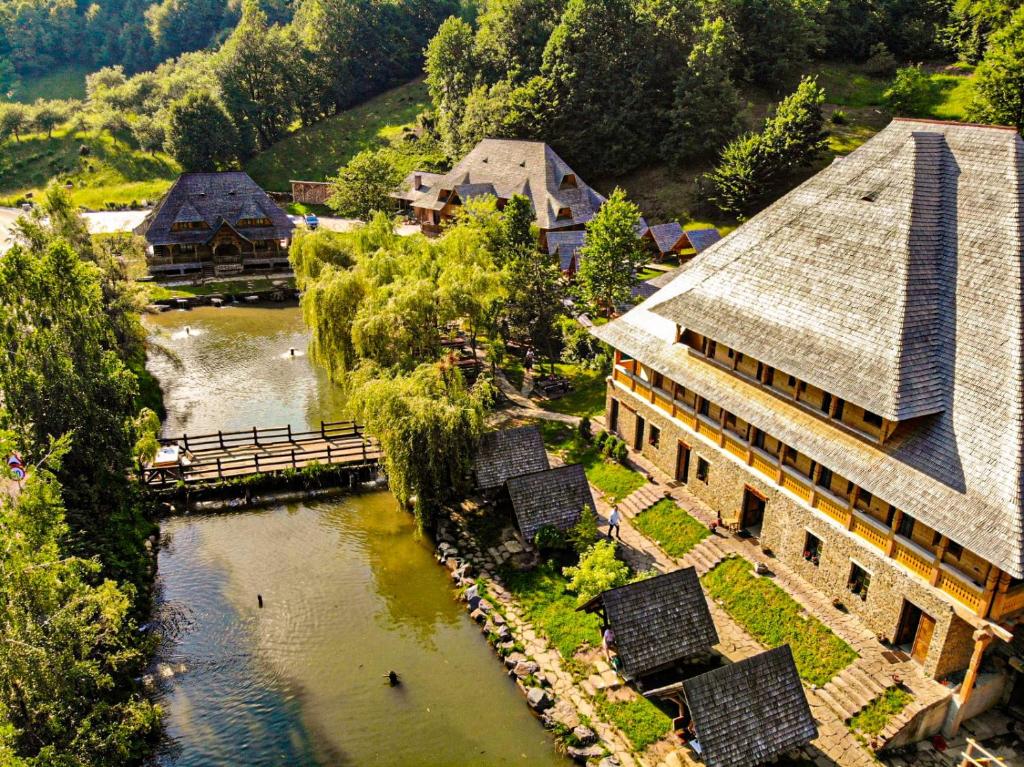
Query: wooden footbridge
[(208, 459)]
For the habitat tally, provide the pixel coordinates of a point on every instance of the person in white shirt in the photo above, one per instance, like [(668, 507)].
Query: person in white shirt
[(613, 523)]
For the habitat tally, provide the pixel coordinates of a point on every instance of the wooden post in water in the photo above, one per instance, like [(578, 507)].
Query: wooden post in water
[(255, 437), (289, 432), (184, 438), (329, 453)]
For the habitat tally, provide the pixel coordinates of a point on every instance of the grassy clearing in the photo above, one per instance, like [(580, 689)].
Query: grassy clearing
[(587, 397), (111, 174), (64, 83), (671, 527), (316, 152), (774, 618), (639, 719), (159, 292), (873, 718), (551, 608), (614, 480)]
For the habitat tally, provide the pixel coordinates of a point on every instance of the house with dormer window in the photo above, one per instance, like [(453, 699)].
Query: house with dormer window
[(842, 379), (501, 168), (216, 224)]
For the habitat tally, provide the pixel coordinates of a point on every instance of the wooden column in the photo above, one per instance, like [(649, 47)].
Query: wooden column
[(982, 639), (897, 518), (940, 552)]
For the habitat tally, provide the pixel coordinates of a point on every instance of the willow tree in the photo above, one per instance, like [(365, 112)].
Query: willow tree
[(428, 424)]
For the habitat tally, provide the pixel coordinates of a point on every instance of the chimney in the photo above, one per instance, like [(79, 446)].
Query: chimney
[(417, 181)]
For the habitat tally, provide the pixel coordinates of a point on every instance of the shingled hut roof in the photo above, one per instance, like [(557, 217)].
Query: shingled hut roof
[(505, 167), (658, 621), (665, 236), (893, 278), (566, 245), (215, 199), (702, 239), (749, 712), (553, 497), (508, 453)]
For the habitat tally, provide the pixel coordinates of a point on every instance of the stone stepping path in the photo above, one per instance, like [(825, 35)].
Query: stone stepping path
[(641, 500)]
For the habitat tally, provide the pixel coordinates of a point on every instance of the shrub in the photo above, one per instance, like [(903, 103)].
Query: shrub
[(584, 532), (600, 438), (908, 94), (585, 428), (881, 62), (621, 452), (550, 538), (598, 570), (839, 117)]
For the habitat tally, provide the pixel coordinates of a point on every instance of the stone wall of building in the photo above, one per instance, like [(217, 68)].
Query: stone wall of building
[(784, 531)]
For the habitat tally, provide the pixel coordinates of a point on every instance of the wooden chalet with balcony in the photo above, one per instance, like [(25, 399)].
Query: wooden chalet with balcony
[(216, 224), (842, 378)]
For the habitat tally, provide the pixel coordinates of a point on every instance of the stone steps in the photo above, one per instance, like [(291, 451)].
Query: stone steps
[(641, 500), (704, 556)]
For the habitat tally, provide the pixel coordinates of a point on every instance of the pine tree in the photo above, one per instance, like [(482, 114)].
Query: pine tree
[(705, 114)]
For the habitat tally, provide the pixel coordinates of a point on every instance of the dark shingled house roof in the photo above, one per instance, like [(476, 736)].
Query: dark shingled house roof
[(566, 245), (665, 236), (658, 621), (702, 239), (216, 199), (893, 279), (552, 497), (508, 453), (750, 712)]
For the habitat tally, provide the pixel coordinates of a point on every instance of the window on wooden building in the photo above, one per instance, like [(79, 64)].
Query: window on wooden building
[(906, 528), (954, 550)]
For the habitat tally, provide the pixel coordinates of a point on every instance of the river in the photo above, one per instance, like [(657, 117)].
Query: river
[(350, 591)]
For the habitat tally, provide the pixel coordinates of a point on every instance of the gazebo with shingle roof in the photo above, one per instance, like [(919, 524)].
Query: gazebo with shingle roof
[(750, 712), (657, 622), (508, 453), (554, 497)]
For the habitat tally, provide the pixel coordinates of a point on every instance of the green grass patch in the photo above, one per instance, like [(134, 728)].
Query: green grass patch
[(774, 618), (614, 480), (551, 608), (63, 83), (671, 527), (639, 719), (873, 718), (648, 273), (111, 174), (316, 152), (587, 397), (159, 292)]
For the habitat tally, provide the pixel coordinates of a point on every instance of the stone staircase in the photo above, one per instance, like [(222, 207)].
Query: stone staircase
[(850, 691), (641, 500), (706, 554)]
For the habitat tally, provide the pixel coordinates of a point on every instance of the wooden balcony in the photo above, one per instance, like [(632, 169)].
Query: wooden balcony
[(964, 591), (870, 530), (796, 484), (706, 427), (833, 507), (1008, 603), (915, 559), (764, 463), (736, 446)]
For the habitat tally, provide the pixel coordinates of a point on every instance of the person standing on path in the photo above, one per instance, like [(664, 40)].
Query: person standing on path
[(613, 523), (528, 362)]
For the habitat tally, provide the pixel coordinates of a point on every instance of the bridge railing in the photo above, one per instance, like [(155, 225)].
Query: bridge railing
[(223, 440), (356, 454)]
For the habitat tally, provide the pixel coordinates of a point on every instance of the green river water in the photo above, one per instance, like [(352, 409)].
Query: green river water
[(350, 591)]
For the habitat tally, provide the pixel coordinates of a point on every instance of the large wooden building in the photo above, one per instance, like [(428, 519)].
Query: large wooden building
[(216, 224), (501, 168), (843, 378)]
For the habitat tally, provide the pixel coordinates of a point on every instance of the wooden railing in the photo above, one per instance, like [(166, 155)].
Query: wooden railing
[(867, 529), (969, 594), (908, 556), (830, 507), (764, 464), (797, 486), (224, 440), (976, 756), (1008, 602)]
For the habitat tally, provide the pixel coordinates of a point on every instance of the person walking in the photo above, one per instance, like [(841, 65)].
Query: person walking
[(613, 523), (528, 362)]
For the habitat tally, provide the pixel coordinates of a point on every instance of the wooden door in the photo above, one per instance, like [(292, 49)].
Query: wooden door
[(682, 462), (923, 638), (613, 417), (638, 437), (753, 508)]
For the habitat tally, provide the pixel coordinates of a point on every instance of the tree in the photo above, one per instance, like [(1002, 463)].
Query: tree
[(13, 120), (612, 254), (47, 115), (999, 80), (516, 234), (69, 648), (908, 94), (451, 69), (881, 62), (200, 135), (364, 185), (705, 113), (255, 68), (741, 176), (512, 34), (428, 426), (598, 570), (148, 133)]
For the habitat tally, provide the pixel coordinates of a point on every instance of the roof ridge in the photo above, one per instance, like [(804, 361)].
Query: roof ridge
[(956, 123)]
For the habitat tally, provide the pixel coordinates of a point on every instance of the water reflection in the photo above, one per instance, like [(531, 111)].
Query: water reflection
[(349, 593)]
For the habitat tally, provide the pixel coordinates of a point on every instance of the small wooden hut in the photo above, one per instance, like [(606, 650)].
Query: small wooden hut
[(554, 497), (508, 453)]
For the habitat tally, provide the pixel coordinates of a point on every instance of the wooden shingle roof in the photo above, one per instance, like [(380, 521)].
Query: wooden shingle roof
[(702, 239), (508, 453), (566, 246), (553, 497), (917, 309), (665, 236), (659, 621), (750, 712), (215, 199)]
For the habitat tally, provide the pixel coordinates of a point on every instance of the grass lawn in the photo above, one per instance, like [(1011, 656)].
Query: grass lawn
[(315, 152), (873, 718), (112, 173), (648, 273), (671, 527), (587, 397), (63, 83), (639, 719), (228, 287), (552, 609), (774, 618), (614, 480)]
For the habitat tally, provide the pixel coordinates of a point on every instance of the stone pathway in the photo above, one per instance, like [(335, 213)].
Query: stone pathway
[(833, 704)]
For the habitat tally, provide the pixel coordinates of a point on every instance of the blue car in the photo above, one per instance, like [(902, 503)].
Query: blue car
[(312, 221)]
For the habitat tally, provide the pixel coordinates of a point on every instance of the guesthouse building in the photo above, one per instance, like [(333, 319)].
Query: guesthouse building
[(842, 379), (216, 224)]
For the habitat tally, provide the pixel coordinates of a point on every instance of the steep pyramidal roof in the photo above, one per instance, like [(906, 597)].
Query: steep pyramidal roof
[(553, 497), (508, 453), (892, 278), (214, 199)]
